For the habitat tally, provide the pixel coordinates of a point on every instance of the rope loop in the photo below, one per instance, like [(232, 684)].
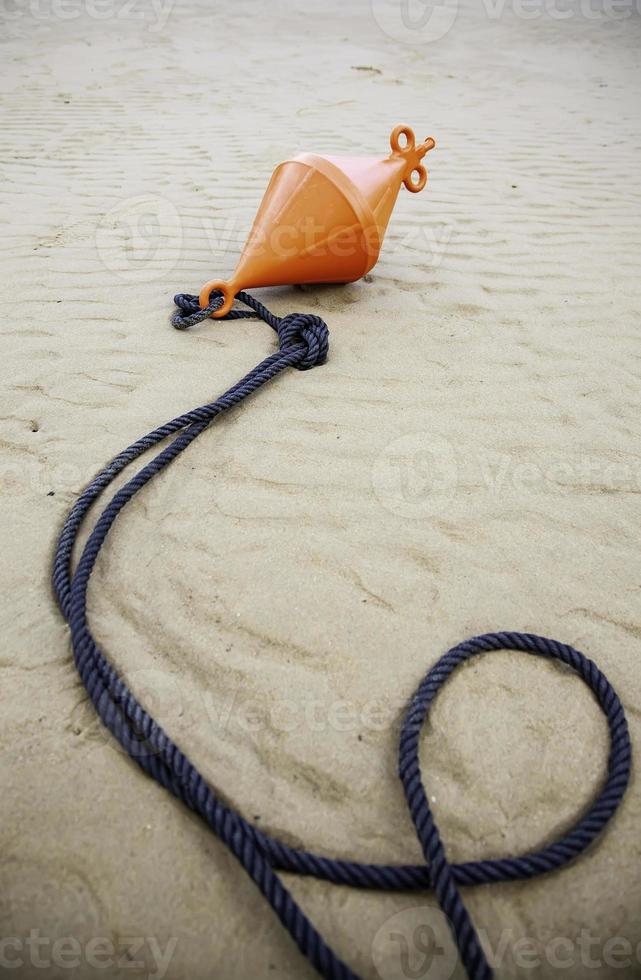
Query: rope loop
[(443, 876)]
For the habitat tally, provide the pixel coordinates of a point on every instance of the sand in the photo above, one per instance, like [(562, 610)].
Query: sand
[(467, 460)]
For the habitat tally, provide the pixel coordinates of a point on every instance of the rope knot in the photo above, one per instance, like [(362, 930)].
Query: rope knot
[(307, 329)]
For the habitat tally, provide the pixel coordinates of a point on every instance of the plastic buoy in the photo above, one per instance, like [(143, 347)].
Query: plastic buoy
[(323, 218)]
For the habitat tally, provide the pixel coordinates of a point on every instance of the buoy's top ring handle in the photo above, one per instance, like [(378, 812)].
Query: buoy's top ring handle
[(415, 175), (394, 140), (228, 293)]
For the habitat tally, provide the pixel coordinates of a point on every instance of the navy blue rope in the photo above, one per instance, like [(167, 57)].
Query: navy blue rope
[(303, 343)]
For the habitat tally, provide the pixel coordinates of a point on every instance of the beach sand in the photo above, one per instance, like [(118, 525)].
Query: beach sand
[(466, 461)]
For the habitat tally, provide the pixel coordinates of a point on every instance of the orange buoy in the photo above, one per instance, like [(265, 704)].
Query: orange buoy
[(323, 218)]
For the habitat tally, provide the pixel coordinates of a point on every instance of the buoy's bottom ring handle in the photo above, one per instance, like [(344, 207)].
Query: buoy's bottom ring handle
[(225, 289), (416, 184)]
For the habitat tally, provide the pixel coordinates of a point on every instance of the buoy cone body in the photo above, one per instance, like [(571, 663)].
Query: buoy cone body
[(323, 219)]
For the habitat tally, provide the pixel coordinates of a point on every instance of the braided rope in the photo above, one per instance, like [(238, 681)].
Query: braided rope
[(303, 343)]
